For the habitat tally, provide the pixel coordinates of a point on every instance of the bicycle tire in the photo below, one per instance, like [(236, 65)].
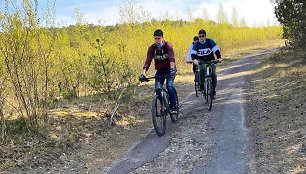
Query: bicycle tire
[(159, 115), (209, 93), (175, 117), (205, 92), (196, 88)]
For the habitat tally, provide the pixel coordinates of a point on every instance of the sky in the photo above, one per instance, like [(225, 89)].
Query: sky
[(106, 12)]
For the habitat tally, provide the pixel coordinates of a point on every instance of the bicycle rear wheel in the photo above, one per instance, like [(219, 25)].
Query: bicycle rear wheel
[(175, 117), (196, 88), (196, 84), (159, 113), (210, 93)]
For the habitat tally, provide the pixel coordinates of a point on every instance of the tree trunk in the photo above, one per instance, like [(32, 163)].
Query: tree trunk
[(3, 125)]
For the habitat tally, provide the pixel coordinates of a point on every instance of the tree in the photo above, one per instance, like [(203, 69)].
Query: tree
[(145, 15), (49, 14), (243, 22), (291, 14), (221, 15), (205, 15), (26, 51), (79, 16), (128, 12), (235, 17), (2, 99), (190, 16), (167, 17)]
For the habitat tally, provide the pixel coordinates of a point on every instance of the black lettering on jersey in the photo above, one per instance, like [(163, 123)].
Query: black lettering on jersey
[(204, 52)]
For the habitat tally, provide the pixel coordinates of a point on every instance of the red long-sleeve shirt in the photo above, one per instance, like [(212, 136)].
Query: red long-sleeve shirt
[(160, 64)]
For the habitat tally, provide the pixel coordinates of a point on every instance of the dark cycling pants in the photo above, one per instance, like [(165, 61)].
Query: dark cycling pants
[(169, 84), (202, 69)]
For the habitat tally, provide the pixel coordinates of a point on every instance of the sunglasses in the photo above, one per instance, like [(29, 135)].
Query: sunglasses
[(202, 36)]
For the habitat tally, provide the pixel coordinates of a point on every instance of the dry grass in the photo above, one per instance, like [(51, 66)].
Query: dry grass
[(243, 52), (277, 113), (79, 132)]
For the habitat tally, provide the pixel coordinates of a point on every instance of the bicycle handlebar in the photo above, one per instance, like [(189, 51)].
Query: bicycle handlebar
[(212, 61), (154, 77)]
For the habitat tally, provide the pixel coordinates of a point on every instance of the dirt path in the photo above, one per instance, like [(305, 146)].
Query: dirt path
[(202, 141)]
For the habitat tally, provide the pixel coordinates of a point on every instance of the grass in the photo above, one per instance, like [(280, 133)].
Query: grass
[(277, 113), (236, 54), (82, 125)]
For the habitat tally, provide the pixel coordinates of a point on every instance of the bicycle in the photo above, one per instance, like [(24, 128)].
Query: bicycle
[(196, 79), (161, 108), (208, 86)]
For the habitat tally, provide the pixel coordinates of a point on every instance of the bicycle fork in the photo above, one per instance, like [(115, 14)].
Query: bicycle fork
[(164, 103)]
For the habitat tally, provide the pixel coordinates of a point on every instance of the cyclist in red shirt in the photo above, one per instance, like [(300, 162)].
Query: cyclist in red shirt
[(162, 53)]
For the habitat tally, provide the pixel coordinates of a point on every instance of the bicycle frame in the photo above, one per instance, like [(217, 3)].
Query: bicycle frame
[(163, 94), (208, 69), (162, 90)]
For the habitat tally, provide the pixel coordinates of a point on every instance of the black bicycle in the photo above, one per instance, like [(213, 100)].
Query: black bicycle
[(208, 86), (196, 79), (160, 108)]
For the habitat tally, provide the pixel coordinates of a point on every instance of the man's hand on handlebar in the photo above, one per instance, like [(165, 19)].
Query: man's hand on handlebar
[(173, 72), (142, 78), (196, 62), (217, 61)]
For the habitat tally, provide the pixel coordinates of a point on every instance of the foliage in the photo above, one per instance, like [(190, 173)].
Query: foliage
[(291, 14), (42, 63)]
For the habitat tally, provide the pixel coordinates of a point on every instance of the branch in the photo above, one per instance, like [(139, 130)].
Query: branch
[(116, 107)]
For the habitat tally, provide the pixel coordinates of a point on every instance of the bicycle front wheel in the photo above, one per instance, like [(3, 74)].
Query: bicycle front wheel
[(159, 113), (205, 92), (209, 93)]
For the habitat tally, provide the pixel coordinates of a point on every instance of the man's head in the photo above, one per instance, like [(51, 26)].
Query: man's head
[(158, 36), (202, 35), (195, 38)]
